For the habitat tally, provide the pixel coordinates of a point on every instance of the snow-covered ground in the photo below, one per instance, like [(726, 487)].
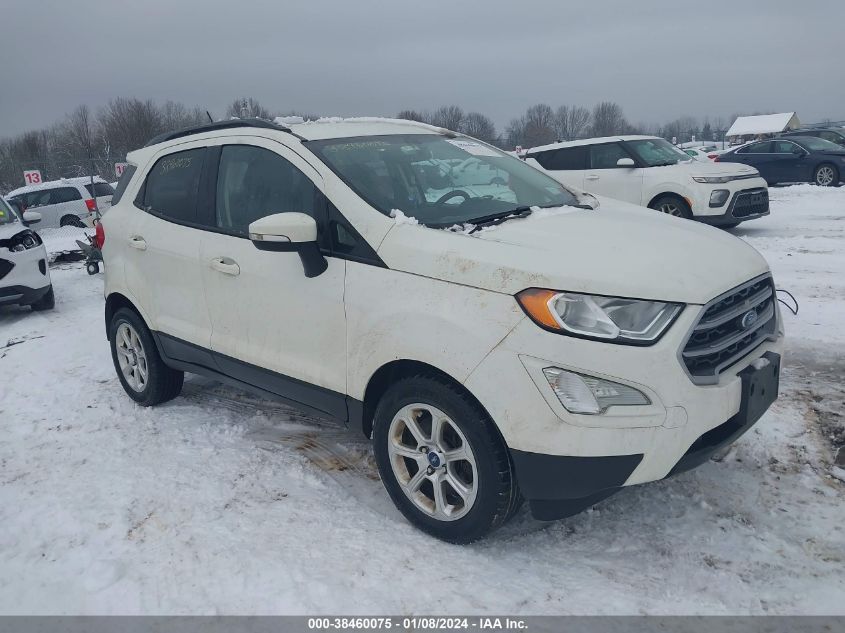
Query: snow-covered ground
[(221, 503)]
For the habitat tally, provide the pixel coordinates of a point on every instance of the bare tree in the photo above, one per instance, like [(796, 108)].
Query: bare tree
[(480, 127), (414, 115), (539, 126), (247, 108), (608, 119), (128, 124), (450, 117), (571, 122), (175, 116)]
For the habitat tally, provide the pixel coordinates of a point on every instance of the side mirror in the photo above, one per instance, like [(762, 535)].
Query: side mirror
[(626, 162), (30, 217), (288, 233), (800, 153)]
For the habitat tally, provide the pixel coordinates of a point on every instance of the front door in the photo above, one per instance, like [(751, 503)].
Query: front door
[(604, 177), (272, 326)]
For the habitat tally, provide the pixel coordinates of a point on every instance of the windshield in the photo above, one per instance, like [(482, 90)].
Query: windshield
[(440, 181), (819, 144), (7, 216), (656, 152)]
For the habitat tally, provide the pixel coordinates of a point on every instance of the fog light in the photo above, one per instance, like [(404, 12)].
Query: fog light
[(718, 197), (590, 395)]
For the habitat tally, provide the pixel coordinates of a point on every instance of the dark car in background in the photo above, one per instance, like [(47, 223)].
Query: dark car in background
[(793, 159), (832, 134)]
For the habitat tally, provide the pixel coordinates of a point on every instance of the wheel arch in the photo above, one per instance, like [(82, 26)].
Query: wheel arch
[(114, 302), (669, 194), (389, 373)]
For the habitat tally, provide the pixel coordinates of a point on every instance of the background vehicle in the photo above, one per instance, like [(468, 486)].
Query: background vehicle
[(24, 275), (793, 159), (701, 154), (832, 134), (65, 202), (650, 171), (271, 260)]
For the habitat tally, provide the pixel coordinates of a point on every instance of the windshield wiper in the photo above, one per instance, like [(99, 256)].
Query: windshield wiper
[(497, 218)]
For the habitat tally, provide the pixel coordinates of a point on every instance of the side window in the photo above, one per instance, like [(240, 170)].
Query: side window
[(64, 194), (764, 147), (254, 182), (172, 185), (783, 147), (99, 189), (123, 183), (566, 159), (606, 156)]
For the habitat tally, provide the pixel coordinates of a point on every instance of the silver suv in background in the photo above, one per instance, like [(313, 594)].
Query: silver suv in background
[(65, 202)]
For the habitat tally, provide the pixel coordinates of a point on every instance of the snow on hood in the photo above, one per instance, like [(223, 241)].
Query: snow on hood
[(621, 250)]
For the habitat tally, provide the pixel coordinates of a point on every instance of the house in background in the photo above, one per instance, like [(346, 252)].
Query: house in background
[(750, 128)]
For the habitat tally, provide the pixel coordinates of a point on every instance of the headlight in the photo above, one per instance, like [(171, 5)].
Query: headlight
[(579, 393), (713, 180), (23, 241), (612, 319)]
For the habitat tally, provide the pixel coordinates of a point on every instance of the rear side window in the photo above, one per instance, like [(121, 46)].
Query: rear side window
[(758, 148), (606, 156), (123, 183), (99, 189), (569, 158), (46, 197), (254, 182), (173, 183)]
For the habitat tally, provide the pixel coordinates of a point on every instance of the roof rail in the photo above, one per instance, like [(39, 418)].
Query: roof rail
[(218, 125)]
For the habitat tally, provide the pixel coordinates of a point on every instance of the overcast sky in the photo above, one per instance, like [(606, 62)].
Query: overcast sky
[(659, 59)]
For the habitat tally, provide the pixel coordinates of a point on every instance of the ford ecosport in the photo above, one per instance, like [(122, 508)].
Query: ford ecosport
[(514, 341)]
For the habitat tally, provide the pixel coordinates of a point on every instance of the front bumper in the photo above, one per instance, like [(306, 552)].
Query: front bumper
[(748, 204), (565, 462)]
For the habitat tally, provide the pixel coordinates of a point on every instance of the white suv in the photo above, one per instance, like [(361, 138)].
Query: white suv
[(494, 347), (65, 202), (650, 171), (24, 275)]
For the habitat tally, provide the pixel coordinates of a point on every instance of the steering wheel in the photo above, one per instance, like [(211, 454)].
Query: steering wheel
[(452, 194)]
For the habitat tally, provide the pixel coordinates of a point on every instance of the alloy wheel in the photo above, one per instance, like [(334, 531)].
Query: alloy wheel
[(131, 357), (432, 462), (824, 176), (671, 208)]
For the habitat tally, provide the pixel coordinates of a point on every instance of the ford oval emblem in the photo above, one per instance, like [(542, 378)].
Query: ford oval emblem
[(749, 319)]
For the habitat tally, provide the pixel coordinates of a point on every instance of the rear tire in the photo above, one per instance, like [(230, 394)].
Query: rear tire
[(826, 175), (457, 484), (142, 372), (72, 220), (47, 302), (672, 205)]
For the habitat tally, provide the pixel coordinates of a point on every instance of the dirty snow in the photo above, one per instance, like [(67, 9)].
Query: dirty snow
[(218, 502)]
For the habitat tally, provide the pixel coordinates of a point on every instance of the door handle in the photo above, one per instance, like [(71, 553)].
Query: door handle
[(136, 241), (591, 177), (225, 266)]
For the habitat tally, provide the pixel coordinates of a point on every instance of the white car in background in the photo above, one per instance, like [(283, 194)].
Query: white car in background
[(65, 202), (24, 275), (651, 172)]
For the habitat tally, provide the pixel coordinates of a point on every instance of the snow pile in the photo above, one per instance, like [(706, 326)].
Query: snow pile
[(62, 240), (400, 218)]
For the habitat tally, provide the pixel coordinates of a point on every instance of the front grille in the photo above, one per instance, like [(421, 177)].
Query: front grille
[(5, 267), (727, 329), (751, 202)]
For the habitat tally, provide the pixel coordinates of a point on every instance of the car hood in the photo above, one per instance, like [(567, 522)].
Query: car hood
[(620, 250), (711, 168)]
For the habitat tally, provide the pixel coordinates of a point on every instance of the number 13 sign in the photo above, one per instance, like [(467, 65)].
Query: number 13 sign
[(32, 177)]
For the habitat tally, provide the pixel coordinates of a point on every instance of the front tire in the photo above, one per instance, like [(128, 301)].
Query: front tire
[(142, 372), (442, 461), (672, 205), (826, 175)]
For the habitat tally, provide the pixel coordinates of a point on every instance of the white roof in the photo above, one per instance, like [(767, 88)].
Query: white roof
[(764, 124), (51, 184), (588, 141)]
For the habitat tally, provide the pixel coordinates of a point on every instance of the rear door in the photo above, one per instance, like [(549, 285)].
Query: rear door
[(760, 156), (606, 178), (565, 164), (162, 265)]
